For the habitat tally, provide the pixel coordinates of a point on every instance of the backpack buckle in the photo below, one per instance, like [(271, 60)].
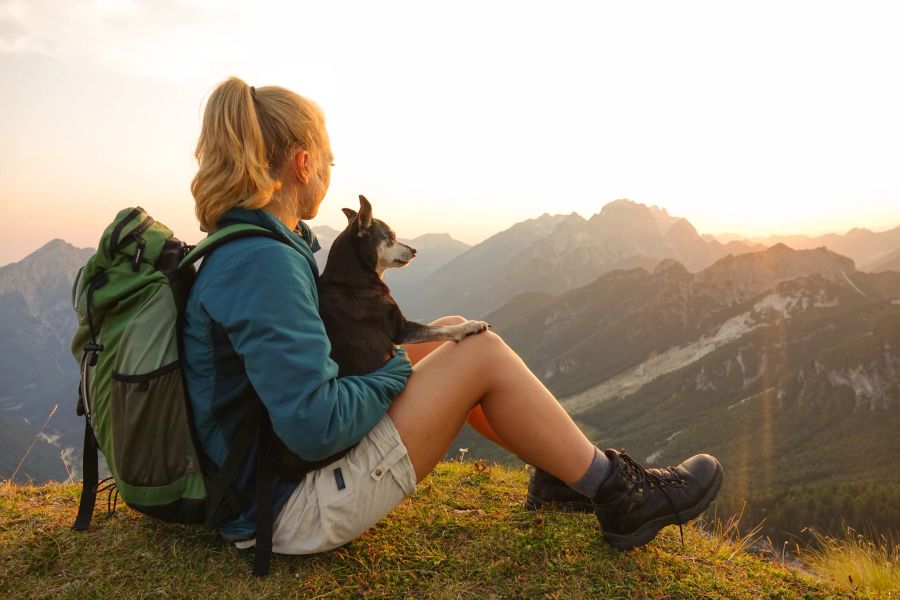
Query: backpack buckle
[(92, 349)]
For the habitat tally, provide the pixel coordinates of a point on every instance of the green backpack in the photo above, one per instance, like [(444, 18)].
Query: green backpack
[(129, 299)]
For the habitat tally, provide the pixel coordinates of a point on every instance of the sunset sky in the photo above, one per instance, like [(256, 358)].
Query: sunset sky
[(464, 117)]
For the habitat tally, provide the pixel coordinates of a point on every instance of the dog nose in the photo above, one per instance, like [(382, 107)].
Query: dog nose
[(413, 250)]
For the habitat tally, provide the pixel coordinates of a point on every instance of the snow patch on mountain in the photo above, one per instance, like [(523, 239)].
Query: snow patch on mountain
[(632, 380), (780, 304), (678, 357), (870, 385)]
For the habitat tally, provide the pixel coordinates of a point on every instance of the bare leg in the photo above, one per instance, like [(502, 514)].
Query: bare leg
[(476, 418), (451, 380)]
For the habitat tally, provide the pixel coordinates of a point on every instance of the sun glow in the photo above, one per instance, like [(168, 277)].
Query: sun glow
[(466, 118)]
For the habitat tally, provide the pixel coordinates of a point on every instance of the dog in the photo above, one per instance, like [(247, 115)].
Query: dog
[(362, 320)]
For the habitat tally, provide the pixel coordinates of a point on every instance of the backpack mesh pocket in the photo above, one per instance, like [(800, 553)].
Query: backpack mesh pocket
[(151, 440)]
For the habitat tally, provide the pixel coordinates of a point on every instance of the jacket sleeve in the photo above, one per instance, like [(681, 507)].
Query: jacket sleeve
[(265, 298)]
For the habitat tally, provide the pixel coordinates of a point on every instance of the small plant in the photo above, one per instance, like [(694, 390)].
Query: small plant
[(462, 454), (481, 466), (858, 562), (728, 539)]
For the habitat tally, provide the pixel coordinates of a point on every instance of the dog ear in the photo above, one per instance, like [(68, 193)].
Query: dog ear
[(365, 216), (351, 214)]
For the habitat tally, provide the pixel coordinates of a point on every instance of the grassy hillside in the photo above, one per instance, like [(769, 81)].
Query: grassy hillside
[(463, 535)]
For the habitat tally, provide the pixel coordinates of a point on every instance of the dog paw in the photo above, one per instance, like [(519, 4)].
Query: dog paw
[(457, 332), (473, 327)]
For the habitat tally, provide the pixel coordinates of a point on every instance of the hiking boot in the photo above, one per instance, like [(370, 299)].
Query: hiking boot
[(634, 502), (546, 491)]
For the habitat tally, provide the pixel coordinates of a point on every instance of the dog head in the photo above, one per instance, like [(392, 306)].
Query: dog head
[(376, 242)]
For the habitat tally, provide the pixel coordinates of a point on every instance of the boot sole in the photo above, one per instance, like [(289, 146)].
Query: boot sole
[(645, 535), (536, 503)]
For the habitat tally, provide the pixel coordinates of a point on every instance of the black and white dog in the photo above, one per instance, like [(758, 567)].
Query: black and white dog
[(361, 318)]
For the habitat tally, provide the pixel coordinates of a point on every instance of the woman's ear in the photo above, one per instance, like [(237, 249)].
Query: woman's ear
[(302, 167)]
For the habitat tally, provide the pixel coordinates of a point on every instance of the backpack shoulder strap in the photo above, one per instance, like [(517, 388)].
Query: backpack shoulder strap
[(225, 235)]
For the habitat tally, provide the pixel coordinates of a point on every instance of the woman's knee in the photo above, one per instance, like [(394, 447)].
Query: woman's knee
[(450, 320), (488, 347)]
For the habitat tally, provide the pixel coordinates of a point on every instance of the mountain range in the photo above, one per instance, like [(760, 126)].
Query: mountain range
[(867, 248), (781, 361), (556, 253)]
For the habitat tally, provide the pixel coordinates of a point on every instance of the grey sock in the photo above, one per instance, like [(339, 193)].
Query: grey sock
[(594, 476)]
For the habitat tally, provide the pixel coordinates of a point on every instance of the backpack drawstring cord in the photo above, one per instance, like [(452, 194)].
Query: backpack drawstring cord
[(112, 498)]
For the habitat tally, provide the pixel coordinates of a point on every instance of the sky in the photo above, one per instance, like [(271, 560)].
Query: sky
[(465, 117)]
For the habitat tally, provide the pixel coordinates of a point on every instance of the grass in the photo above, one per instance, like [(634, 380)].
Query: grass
[(464, 534), (857, 563)]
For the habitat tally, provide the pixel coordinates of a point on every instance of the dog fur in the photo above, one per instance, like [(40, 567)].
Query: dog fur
[(362, 319)]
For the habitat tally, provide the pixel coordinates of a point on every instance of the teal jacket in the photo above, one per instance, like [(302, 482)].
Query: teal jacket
[(261, 293)]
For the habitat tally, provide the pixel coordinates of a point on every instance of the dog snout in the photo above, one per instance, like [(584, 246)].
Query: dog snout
[(412, 250)]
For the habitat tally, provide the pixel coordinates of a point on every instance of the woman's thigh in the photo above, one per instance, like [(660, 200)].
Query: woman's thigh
[(445, 385)]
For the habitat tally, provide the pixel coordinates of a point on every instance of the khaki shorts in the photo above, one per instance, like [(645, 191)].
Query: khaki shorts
[(337, 503)]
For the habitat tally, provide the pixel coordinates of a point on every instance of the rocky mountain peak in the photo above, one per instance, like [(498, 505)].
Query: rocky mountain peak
[(627, 220), (682, 235), (53, 266)]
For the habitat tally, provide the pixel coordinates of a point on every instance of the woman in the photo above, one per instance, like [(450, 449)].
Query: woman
[(252, 329)]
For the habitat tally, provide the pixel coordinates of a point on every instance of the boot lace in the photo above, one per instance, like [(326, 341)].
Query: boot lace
[(641, 477)]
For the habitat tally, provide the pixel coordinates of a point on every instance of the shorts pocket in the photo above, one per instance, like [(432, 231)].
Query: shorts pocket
[(397, 463)]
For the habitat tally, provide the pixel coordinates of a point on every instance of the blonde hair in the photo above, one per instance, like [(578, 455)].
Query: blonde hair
[(247, 135)]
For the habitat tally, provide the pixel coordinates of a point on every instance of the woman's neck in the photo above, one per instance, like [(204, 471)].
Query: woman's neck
[(279, 208)]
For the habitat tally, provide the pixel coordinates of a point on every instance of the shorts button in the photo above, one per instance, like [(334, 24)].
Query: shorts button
[(377, 472)]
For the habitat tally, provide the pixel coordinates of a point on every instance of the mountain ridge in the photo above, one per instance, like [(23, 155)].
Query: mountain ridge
[(555, 253)]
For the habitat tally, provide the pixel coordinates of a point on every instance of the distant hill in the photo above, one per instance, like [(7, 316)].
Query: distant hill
[(867, 248), (891, 262), (325, 235), (36, 369), (556, 253)]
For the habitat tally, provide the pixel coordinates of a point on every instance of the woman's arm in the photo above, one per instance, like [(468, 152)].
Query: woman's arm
[(265, 298)]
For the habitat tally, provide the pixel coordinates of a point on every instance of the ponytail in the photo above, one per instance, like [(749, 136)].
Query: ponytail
[(247, 135)]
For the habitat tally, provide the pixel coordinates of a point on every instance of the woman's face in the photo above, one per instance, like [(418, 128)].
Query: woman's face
[(320, 177)]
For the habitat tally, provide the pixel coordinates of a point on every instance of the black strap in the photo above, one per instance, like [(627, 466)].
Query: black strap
[(265, 477), (117, 230), (89, 482), (218, 487)]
